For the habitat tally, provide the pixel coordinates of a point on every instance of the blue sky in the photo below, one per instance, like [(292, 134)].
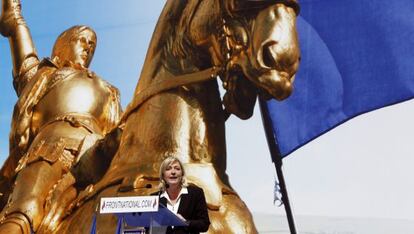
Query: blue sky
[(362, 168)]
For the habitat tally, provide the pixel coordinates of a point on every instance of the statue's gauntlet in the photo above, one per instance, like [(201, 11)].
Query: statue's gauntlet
[(11, 17)]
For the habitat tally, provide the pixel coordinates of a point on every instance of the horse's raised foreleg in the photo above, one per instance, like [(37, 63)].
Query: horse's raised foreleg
[(233, 216)]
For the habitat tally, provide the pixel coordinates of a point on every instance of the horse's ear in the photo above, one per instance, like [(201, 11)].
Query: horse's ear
[(240, 98)]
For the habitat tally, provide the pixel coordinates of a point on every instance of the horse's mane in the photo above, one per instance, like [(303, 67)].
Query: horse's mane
[(170, 36), (170, 33), (179, 41), (179, 21)]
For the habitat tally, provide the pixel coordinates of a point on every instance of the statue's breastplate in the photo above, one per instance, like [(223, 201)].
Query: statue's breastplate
[(72, 93)]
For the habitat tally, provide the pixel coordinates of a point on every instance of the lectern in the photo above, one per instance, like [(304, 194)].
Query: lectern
[(138, 214)]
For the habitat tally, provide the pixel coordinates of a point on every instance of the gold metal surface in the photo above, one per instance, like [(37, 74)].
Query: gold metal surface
[(251, 44), (256, 52), (62, 111)]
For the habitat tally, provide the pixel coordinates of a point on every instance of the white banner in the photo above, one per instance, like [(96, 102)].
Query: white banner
[(129, 204)]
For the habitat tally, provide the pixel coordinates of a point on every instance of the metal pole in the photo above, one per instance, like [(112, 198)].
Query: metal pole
[(277, 160)]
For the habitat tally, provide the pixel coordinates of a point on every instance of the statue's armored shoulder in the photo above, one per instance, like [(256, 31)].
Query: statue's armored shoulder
[(114, 90)]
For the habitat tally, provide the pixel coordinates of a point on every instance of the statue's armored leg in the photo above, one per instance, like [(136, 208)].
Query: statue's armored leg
[(57, 204), (15, 223), (26, 203)]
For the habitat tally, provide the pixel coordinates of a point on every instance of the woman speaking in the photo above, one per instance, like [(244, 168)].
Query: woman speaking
[(186, 201)]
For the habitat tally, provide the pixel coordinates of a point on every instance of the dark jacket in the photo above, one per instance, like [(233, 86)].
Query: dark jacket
[(193, 208)]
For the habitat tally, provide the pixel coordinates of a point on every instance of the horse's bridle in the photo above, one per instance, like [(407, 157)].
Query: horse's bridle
[(230, 46), (227, 50)]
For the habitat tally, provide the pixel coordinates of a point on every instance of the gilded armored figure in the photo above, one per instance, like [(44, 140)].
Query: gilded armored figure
[(63, 109)]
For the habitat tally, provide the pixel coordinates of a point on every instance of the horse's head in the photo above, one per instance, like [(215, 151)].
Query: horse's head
[(253, 39)]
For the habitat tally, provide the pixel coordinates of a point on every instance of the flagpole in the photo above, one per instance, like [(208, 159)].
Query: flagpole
[(277, 160)]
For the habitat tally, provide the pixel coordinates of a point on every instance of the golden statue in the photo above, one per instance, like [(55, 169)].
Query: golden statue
[(252, 46), (63, 109)]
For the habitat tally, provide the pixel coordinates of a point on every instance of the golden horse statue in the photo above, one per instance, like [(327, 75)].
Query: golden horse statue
[(252, 45)]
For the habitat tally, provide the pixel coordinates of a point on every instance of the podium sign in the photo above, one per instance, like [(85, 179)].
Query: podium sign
[(113, 205), (137, 213)]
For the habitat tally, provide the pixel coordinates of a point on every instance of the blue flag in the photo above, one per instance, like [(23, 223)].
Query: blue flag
[(357, 56)]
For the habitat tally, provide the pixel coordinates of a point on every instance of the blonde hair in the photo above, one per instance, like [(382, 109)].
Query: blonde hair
[(168, 161), (68, 35)]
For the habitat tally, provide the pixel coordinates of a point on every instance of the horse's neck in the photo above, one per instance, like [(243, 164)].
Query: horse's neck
[(187, 122)]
